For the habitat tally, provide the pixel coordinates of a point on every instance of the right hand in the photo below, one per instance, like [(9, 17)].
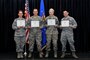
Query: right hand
[(46, 25)]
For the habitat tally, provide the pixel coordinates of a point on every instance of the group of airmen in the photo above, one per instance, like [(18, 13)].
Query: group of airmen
[(51, 34)]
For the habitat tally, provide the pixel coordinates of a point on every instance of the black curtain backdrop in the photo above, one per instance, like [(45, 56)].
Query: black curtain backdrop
[(79, 9)]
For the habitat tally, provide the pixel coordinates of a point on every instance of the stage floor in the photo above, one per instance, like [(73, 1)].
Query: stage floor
[(12, 56)]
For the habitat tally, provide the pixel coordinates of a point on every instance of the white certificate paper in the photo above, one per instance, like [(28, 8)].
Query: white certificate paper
[(21, 23), (51, 22), (35, 23), (65, 23)]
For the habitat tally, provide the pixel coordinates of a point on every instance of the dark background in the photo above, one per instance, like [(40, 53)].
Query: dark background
[(79, 9)]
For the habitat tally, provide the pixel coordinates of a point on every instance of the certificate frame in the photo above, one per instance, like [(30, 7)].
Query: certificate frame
[(21, 23), (35, 23), (51, 22), (65, 23)]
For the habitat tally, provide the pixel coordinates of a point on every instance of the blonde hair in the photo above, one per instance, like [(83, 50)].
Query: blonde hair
[(51, 9)]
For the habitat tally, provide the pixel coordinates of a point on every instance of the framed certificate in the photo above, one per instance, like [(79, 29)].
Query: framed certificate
[(21, 23), (35, 23), (51, 22), (65, 23)]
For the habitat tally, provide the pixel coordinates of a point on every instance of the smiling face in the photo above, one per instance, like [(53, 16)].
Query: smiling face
[(35, 12), (20, 13), (65, 13)]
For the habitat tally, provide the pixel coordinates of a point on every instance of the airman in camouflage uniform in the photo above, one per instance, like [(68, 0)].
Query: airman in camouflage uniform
[(67, 34), (19, 35), (35, 33), (52, 34)]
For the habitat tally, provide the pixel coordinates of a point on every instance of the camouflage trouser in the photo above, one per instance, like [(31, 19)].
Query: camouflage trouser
[(54, 38), (32, 38), (20, 42), (67, 37)]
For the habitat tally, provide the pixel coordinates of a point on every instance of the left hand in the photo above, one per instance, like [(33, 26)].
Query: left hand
[(71, 26)]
